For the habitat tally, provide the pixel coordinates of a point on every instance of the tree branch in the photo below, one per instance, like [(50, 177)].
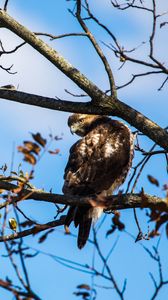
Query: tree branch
[(34, 230), (97, 48), (55, 37), (52, 55), (105, 105), (16, 291), (115, 106), (115, 202)]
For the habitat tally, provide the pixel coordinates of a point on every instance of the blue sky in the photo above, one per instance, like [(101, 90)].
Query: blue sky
[(36, 75)]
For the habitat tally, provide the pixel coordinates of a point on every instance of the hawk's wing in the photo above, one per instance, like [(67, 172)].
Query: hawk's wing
[(99, 160)]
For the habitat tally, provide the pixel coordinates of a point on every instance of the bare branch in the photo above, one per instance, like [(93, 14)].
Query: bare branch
[(162, 85), (115, 202), (52, 55), (5, 5), (154, 152), (106, 266), (125, 6), (102, 26), (11, 51), (8, 69), (97, 47), (56, 37), (98, 97), (16, 291), (134, 76), (34, 230)]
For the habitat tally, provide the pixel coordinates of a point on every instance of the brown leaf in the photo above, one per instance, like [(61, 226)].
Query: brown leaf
[(30, 158), (30, 255), (56, 151), (117, 222), (165, 187), (23, 150), (154, 215), (85, 295), (84, 286), (153, 180), (44, 236), (163, 219), (57, 138), (110, 231), (153, 233), (32, 147), (26, 223), (4, 167), (39, 139)]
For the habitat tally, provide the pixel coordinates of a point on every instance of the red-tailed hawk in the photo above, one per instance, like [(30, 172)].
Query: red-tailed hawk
[(98, 164)]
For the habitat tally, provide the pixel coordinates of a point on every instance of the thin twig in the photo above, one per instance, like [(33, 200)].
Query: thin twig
[(119, 292), (55, 37), (5, 5), (34, 230), (97, 47)]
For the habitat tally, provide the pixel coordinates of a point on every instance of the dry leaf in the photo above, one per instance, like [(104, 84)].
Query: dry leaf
[(110, 231), (13, 224), (117, 222), (56, 151), (23, 150), (44, 236), (84, 286), (39, 139), (85, 295), (153, 233), (32, 147), (153, 180), (30, 158)]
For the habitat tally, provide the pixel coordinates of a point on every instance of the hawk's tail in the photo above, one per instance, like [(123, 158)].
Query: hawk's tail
[(84, 228), (82, 217)]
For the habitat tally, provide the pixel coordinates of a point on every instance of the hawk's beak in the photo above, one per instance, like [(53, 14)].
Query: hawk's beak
[(72, 129)]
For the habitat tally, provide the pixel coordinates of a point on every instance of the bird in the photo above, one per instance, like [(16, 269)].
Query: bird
[(98, 164)]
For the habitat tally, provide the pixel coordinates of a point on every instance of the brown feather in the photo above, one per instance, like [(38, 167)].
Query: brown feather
[(84, 229), (97, 163)]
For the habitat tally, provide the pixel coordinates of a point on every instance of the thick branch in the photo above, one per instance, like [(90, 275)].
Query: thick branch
[(115, 106), (105, 105), (115, 202)]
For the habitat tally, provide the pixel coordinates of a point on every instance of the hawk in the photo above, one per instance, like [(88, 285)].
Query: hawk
[(98, 164)]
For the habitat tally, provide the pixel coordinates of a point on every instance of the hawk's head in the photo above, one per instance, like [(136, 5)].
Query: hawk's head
[(81, 124)]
